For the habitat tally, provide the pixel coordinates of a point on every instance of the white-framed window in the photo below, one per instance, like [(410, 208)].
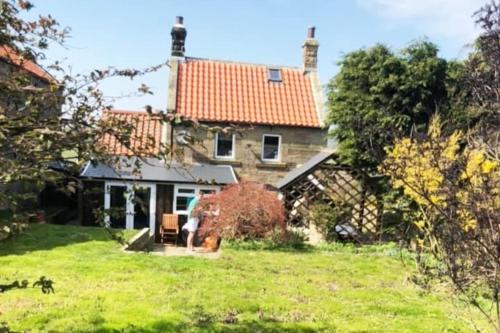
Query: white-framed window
[(224, 145), (183, 194), (182, 197), (271, 147)]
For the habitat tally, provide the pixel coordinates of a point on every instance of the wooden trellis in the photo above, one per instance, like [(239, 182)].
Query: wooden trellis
[(325, 181)]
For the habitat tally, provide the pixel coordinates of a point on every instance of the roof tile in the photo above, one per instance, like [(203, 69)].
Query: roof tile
[(210, 90), (10, 55), (146, 127)]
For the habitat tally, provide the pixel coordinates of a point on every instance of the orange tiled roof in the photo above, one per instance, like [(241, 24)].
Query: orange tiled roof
[(11, 56), (146, 127), (209, 90)]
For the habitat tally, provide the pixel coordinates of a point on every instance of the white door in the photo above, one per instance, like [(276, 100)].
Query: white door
[(130, 205), (116, 198)]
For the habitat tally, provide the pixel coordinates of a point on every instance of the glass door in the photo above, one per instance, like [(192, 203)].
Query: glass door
[(117, 206), (141, 201), (130, 206), (182, 198)]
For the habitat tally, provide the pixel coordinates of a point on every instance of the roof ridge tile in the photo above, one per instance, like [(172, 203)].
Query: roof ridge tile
[(243, 63)]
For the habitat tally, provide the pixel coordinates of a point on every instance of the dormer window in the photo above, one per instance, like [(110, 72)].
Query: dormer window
[(274, 74)]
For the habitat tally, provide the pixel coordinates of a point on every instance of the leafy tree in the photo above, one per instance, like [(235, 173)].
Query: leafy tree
[(379, 95), (36, 146), (482, 72), (50, 129)]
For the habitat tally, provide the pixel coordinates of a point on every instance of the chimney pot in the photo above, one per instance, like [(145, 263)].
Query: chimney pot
[(178, 34), (310, 31), (310, 50)]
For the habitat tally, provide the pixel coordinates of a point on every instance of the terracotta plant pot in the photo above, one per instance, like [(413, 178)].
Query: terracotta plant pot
[(211, 243)]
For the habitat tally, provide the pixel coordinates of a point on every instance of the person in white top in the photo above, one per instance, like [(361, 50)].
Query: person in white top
[(193, 220)]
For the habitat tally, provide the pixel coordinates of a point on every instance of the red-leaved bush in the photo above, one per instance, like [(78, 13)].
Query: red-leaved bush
[(242, 211)]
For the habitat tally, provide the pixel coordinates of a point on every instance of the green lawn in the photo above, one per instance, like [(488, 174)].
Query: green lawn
[(100, 289)]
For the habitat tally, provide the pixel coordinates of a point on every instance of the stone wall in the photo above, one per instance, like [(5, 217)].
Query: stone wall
[(13, 104), (297, 146), (140, 241)]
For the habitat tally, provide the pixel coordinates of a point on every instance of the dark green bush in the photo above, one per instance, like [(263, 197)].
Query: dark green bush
[(326, 217), (292, 240)]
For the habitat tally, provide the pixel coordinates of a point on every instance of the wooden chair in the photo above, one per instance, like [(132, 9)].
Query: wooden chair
[(169, 227)]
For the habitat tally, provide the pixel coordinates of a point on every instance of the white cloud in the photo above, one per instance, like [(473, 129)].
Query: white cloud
[(443, 18)]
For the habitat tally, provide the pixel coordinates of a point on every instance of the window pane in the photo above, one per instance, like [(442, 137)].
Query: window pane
[(186, 190), (271, 148), (224, 145), (207, 191), (274, 74), (141, 207), (183, 202), (118, 202)]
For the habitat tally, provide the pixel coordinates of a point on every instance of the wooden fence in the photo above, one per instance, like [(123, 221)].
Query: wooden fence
[(342, 188)]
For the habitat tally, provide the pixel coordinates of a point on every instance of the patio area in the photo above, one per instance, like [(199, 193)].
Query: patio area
[(169, 250), (143, 241)]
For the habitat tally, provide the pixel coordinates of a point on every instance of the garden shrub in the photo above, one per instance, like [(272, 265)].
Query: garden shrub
[(11, 224), (246, 210), (454, 179), (325, 217), (292, 240)]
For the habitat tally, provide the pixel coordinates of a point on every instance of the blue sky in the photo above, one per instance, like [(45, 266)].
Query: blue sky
[(136, 34)]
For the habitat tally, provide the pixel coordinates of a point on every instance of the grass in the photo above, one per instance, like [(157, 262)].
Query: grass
[(98, 288)]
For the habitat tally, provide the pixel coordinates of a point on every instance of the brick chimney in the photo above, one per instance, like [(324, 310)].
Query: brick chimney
[(310, 51), (178, 34)]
